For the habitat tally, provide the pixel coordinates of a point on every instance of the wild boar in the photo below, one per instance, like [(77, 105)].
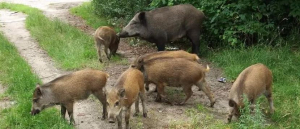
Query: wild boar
[(173, 54), (166, 24), (252, 82), (67, 89), (127, 90), (176, 72), (107, 37)]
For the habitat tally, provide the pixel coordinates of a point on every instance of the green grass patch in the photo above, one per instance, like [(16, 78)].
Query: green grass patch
[(16, 74), (69, 47), (284, 62), (86, 12)]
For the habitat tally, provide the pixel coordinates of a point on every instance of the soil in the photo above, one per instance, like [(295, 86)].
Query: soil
[(87, 113)]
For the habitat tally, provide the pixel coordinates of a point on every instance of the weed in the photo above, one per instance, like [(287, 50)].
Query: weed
[(16, 74)]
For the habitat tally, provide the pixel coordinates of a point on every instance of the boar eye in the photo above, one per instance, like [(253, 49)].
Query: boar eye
[(117, 103), (35, 100)]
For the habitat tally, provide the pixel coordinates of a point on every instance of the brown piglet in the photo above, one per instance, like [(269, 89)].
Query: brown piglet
[(252, 82), (127, 90), (176, 72), (67, 89), (171, 54), (107, 37)]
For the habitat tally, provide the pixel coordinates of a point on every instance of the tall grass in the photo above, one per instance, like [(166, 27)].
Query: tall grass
[(284, 64), (16, 74), (86, 12), (69, 47)]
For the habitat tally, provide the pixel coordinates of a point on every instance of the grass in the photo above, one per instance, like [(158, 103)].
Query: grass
[(18, 77), (69, 47), (85, 11), (282, 60), (284, 63)]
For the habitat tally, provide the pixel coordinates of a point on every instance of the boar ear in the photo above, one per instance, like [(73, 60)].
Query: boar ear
[(121, 92), (38, 91), (142, 17)]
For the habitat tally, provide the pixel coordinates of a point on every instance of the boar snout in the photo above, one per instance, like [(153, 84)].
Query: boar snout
[(111, 120), (123, 34), (35, 111)]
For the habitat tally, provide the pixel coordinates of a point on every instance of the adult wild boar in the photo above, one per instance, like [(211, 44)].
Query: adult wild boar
[(166, 24), (252, 82), (171, 54), (176, 72), (67, 89), (107, 37), (127, 90)]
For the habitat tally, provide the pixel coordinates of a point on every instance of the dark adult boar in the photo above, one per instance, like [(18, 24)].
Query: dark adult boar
[(166, 24), (171, 54), (252, 82), (107, 37), (176, 72), (127, 90), (67, 89)]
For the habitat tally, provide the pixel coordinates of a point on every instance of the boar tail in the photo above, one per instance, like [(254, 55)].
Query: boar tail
[(207, 68), (100, 38), (107, 75)]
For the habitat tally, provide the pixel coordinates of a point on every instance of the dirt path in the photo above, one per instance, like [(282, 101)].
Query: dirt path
[(88, 112)]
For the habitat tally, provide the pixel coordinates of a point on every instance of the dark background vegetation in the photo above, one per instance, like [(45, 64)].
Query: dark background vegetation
[(230, 22)]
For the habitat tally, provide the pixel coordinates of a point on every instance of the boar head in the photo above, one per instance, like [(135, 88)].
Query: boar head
[(136, 27), (114, 101)]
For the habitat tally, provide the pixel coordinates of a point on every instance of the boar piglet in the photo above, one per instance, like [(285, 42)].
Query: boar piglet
[(171, 54), (167, 24), (127, 90), (252, 82), (67, 89), (107, 37), (176, 72)]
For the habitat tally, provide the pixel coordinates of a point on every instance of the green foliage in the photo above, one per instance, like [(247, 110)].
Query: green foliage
[(250, 119), (85, 11), (232, 23), (119, 10), (69, 47), (16, 74), (284, 63), (228, 23)]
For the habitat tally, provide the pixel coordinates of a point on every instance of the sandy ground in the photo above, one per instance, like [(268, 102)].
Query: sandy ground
[(88, 112)]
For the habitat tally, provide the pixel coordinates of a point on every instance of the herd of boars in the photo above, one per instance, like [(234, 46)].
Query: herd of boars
[(163, 68)]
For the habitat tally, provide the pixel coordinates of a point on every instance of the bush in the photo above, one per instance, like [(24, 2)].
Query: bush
[(119, 10), (229, 23)]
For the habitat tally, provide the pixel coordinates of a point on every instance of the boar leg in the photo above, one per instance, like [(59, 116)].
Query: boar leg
[(98, 45), (63, 111), (161, 45), (206, 90), (137, 110), (229, 117), (127, 117), (106, 52), (143, 99), (194, 35), (119, 118), (188, 92), (160, 92), (102, 98), (268, 94), (69, 107)]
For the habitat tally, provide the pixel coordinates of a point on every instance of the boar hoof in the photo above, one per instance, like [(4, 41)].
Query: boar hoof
[(158, 99), (100, 60), (145, 115), (212, 104), (147, 88), (135, 114)]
